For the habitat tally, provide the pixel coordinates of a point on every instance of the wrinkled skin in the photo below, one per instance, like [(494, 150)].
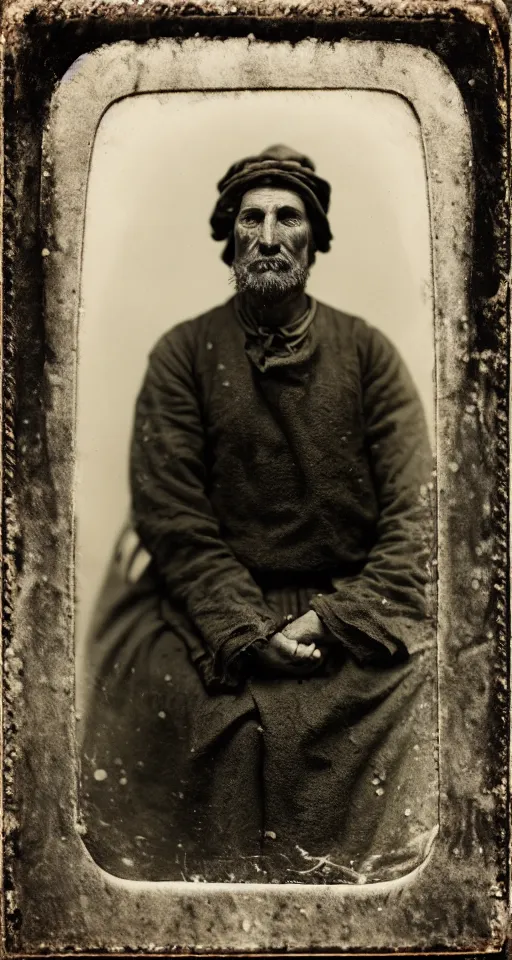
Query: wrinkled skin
[(273, 254)]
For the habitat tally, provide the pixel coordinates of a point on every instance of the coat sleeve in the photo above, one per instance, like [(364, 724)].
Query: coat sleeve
[(384, 612), (173, 514)]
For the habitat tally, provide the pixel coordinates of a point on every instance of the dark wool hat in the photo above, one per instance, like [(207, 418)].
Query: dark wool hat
[(275, 166)]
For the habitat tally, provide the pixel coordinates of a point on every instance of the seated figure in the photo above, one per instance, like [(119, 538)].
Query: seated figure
[(262, 655)]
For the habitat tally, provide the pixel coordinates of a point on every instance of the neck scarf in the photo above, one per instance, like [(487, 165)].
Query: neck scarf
[(271, 346)]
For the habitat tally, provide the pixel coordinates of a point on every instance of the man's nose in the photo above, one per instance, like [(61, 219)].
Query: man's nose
[(269, 244)]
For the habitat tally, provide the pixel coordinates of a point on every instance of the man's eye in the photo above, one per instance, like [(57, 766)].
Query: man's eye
[(250, 219), (290, 219)]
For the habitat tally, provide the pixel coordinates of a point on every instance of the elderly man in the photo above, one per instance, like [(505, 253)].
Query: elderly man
[(264, 698)]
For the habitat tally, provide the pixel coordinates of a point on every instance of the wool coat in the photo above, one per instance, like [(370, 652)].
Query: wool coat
[(262, 488)]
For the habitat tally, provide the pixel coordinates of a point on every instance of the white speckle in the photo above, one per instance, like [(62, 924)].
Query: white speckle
[(379, 791), (123, 781), (472, 82), (270, 835), (233, 9), (384, 600), (127, 862), (209, 345), (100, 774), (379, 909), (162, 714), (246, 925), (181, 795), (46, 173), (250, 36), (259, 729), (289, 616), (375, 781), (416, 747), (45, 252), (81, 829), (221, 366), (453, 466), (475, 584), (118, 762), (407, 811), (225, 383), (167, 677), (303, 912)]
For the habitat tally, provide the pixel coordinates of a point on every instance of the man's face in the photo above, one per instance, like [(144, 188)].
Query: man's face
[(273, 245)]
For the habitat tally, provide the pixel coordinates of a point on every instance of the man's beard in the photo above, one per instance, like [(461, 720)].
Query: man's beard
[(268, 281)]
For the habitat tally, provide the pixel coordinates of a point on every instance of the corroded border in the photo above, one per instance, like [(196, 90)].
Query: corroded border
[(57, 897)]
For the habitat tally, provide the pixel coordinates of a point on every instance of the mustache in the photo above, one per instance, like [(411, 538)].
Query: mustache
[(261, 264)]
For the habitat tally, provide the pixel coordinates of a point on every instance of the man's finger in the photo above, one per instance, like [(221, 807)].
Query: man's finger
[(284, 644), (293, 649), (307, 651)]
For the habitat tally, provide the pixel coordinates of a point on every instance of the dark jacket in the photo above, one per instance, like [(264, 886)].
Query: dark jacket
[(314, 475)]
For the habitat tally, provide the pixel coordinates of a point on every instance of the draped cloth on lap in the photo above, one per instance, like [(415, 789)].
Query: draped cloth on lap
[(259, 496)]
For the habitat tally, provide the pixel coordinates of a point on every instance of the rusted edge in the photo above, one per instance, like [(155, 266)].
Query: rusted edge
[(491, 13)]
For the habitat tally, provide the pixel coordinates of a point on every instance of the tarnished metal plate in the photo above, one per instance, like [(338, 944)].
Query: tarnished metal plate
[(448, 61)]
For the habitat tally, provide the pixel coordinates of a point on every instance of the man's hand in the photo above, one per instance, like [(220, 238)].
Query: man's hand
[(293, 650), (307, 629)]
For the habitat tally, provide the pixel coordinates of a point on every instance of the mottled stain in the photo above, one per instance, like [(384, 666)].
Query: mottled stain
[(56, 900)]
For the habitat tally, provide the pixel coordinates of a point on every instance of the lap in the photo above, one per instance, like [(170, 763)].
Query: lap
[(278, 777)]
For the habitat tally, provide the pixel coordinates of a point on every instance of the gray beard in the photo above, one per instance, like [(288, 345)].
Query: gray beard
[(271, 287)]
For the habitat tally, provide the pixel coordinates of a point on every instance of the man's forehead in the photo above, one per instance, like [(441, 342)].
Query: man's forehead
[(269, 198)]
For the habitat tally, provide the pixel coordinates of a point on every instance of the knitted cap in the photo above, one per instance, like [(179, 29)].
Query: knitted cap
[(275, 166)]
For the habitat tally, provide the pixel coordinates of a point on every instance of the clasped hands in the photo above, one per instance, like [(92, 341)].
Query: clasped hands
[(294, 649)]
